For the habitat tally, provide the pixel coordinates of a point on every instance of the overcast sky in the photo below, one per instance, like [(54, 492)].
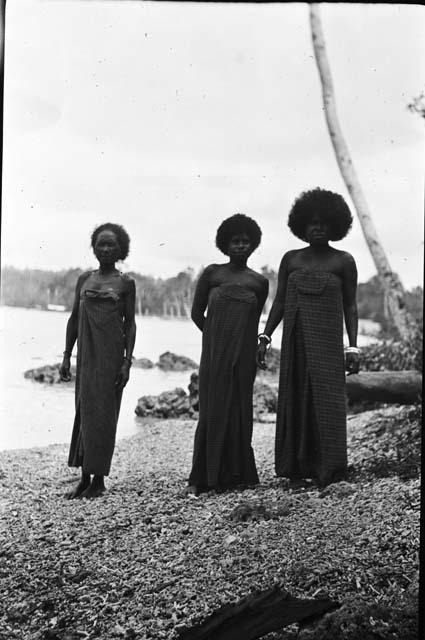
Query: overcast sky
[(169, 117)]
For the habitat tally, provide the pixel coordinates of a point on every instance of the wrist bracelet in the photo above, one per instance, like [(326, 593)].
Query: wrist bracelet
[(264, 336), (129, 360), (352, 350)]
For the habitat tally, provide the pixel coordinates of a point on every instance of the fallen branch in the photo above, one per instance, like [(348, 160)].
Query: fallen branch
[(256, 615), (401, 387)]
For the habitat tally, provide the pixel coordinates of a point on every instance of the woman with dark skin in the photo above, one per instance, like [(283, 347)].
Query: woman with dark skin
[(102, 320), (235, 295), (316, 291)]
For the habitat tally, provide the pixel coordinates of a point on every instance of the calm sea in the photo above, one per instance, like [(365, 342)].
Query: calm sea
[(34, 415)]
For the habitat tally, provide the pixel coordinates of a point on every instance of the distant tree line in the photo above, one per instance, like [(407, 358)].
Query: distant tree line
[(167, 297)]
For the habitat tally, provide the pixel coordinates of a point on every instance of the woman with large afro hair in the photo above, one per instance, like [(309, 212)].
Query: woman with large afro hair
[(234, 296), (102, 322), (316, 292)]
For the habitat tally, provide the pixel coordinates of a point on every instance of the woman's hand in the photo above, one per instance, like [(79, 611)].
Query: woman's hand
[(352, 363), (261, 355), (123, 375), (65, 369)]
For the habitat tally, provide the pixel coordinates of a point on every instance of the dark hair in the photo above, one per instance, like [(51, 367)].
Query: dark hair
[(122, 237), (331, 208), (239, 223)]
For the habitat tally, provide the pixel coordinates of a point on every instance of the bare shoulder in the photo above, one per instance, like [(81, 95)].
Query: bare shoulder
[(291, 253), (129, 282), (212, 267), (346, 259), (289, 257), (210, 271), (262, 280), (83, 277)]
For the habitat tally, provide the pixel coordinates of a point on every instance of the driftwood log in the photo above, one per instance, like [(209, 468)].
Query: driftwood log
[(256, 615), (397, 387)]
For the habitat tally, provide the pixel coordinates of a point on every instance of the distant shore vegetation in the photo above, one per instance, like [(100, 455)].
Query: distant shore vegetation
[(165, 297)]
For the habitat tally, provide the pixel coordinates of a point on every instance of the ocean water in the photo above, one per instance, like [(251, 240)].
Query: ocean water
[(34, 414)]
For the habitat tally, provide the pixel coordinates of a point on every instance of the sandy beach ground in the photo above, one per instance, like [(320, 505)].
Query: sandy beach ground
[(143, 560)]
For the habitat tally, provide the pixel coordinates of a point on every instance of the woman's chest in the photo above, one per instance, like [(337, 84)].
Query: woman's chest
[(112, 284)]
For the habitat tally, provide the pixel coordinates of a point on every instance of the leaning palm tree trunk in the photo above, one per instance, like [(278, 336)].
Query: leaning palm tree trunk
[(391, 284)]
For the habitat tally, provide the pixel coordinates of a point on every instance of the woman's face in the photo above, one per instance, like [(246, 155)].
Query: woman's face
[(317, 231), (239, 246), (107, 249)]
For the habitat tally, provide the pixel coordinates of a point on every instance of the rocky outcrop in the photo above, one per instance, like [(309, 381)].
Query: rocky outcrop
[(48, 373), (171, 404), (179, 404), (169, 361), (143, 363)]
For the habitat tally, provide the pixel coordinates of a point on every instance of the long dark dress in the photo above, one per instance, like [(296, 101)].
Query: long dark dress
[(223, 456), (311, 440), (99, 358)]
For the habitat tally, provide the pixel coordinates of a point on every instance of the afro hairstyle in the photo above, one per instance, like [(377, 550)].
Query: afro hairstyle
[(122, 237), (331, 208), (239, 223)]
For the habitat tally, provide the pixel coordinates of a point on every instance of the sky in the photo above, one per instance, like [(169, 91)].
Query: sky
[(169, 117)]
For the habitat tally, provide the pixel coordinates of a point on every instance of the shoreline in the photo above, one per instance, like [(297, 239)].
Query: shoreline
[(143, 560)]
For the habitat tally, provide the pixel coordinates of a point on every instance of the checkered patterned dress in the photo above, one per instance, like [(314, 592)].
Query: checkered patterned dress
[(311, 437), (223, 456)]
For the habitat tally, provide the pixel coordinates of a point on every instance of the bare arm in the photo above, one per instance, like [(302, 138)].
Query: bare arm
[(262, 297), (72, 331), (276, 312), (349, 285), (72, 324), (129, 319), (278, 306), (129, 334), (200, 299)]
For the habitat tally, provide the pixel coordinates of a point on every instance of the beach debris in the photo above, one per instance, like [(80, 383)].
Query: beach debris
[(258, 614), (338, 490), (156, 563), (255, 511), (395, 387)]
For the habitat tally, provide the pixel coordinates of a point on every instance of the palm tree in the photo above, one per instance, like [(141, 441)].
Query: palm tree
[(390, 282)]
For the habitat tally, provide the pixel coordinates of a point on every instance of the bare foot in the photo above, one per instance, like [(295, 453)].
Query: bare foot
[(78, 490), (191, 490), (95, 490)]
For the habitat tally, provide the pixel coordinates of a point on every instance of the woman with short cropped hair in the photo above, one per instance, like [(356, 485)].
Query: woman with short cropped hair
[(102, 321)]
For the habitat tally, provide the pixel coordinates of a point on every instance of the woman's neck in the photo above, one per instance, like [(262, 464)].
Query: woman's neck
[(238, 264), (319, 248), (106, 269)]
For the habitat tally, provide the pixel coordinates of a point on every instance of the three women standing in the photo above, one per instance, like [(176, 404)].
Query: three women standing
[(316, 291), (102, 320)]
